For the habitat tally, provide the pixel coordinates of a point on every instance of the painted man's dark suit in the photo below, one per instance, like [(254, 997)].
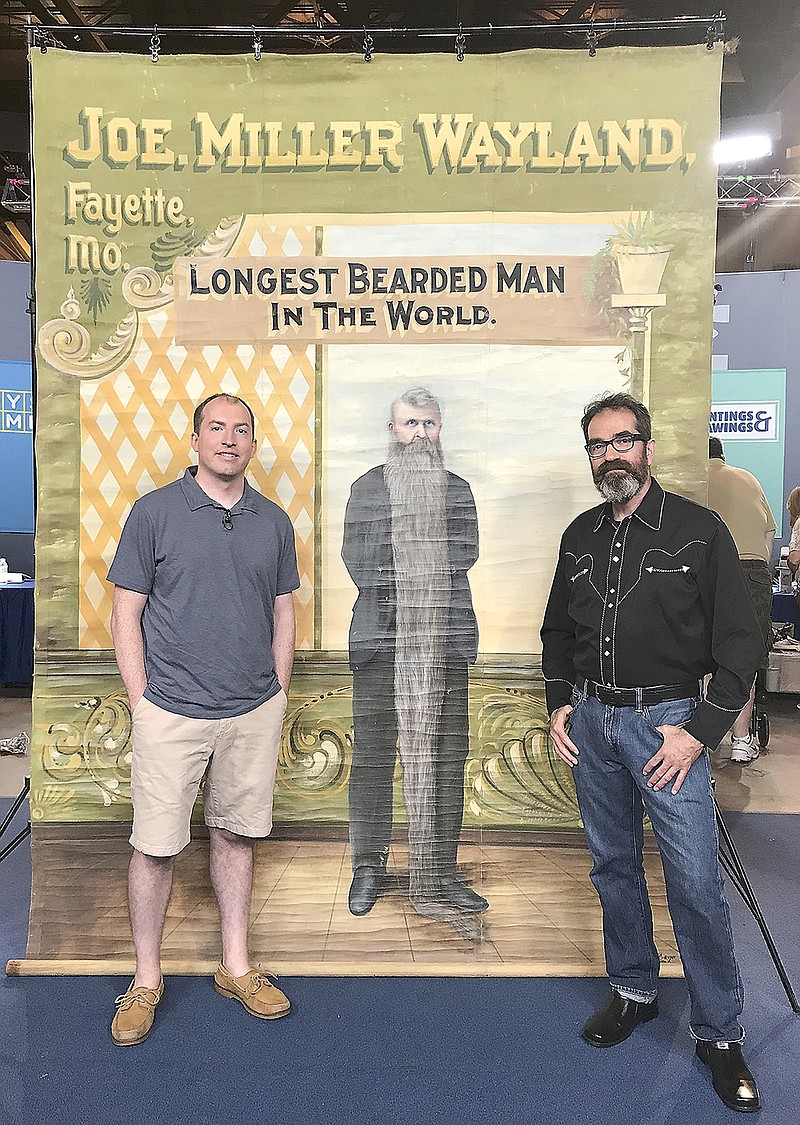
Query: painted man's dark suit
[(367, 553)]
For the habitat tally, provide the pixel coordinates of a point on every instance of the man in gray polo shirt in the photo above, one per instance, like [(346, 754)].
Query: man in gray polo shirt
[(204, 633)]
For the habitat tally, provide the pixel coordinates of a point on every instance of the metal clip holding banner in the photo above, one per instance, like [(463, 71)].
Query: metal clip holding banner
[(367, 46), (461, 42), (155, 44), (715, 31), (42, 38), (257, 45), (591, 40)]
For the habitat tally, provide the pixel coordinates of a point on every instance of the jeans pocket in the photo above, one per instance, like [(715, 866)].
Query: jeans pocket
[(578, 697), (674, 713)]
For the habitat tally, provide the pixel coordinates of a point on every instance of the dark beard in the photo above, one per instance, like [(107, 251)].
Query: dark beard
[(622, 486)]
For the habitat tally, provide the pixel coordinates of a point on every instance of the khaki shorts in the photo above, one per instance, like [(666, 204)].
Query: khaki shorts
[(170, 756)]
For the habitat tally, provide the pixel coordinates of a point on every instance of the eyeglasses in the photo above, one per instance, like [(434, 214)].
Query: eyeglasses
[(623, 443)]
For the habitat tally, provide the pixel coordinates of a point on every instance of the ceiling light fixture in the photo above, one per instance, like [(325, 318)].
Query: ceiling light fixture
[(738, 150)]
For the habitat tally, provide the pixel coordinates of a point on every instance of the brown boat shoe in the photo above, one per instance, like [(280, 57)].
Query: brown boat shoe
[(254, 991), (135, 1013)]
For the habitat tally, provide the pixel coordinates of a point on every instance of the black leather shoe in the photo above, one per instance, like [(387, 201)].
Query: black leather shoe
[(617, 1020), (730, 1075), (462, 897), (365, 890)]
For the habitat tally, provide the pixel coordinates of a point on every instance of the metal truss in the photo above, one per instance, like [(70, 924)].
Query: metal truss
[(748, 193)]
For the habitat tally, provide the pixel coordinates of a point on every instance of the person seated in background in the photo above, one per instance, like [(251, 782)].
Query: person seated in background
[(793, 504), (736, 496)]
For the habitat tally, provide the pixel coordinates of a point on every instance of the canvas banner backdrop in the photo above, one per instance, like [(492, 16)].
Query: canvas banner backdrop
[(318, 234)]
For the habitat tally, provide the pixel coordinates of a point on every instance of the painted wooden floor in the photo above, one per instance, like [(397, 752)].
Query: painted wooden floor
[(543, 918)]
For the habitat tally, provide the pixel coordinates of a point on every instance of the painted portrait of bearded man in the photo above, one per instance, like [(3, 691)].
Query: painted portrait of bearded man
[(410, 539)]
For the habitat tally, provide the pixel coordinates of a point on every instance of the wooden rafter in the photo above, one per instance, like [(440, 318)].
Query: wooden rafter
[(279, 12), (14, 247), (576, 11), (73, 15)]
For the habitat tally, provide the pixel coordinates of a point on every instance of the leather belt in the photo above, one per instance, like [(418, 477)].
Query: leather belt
[(638, 697)]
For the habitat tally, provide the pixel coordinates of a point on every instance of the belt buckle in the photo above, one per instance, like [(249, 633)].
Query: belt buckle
[(617, 697)]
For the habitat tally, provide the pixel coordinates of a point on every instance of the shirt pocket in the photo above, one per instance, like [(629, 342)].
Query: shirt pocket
[(584, 601)]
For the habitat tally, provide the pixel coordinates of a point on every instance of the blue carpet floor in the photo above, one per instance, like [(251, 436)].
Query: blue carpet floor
[(390, 1051)]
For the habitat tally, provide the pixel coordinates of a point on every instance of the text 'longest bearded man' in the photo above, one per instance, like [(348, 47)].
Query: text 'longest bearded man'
[(410, 537)]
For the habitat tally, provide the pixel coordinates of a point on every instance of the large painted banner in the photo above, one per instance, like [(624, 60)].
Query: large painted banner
[(321, 235)]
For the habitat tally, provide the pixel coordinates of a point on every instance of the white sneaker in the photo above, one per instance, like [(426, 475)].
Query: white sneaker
[(743, 749)]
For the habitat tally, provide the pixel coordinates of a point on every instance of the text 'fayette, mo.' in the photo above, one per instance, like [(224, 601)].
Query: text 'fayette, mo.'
[(450, 141)]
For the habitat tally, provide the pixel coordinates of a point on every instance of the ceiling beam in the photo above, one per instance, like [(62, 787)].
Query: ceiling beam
[(576, 11), (333, 9), (72, 15), (41, 11), (20, 239), (14, 247), (274, 16)]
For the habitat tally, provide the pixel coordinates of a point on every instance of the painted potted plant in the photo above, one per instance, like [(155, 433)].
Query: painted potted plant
[(631, 262), (640, 248)]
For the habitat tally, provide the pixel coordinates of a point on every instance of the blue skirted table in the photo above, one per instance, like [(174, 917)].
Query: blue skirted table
[(785, 608), (16, 633)]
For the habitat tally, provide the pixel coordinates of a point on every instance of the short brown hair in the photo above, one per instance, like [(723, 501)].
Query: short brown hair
[(793, 504), (197, 421)]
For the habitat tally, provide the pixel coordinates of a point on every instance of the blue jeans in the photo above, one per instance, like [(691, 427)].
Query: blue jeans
[(615, 743)]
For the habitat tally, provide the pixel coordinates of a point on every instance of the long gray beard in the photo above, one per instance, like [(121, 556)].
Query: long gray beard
[(417, 484)]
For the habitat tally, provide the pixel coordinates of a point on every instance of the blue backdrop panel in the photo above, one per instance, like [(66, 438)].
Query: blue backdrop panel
[(16, 447), (757, 330)]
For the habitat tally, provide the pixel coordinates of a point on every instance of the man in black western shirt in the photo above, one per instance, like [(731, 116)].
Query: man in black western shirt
[(648, 597)]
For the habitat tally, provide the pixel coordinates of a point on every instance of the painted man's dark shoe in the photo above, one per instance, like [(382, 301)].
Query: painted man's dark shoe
[(366, 888), (462, 897)]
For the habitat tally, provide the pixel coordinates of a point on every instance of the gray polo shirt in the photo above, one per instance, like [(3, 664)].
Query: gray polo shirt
[(209, 618)]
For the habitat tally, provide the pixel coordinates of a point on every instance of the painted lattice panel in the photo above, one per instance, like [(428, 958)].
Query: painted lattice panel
[(136, 427)]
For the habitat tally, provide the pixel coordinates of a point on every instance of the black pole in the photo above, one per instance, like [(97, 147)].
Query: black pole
[(32, 314), (26, 831), (734, 869), (26, 787), (710, 29)]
